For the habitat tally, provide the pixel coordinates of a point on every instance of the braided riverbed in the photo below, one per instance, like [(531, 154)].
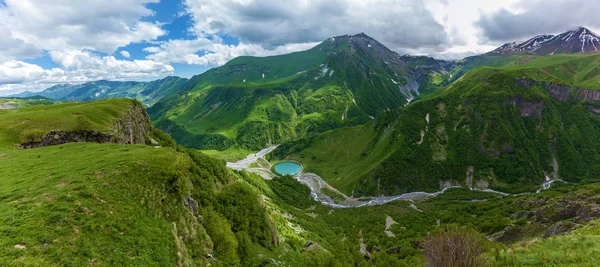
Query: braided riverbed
[(316, 183)]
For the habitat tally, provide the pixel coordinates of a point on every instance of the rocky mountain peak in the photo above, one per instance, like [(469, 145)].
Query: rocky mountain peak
[(579, 40)]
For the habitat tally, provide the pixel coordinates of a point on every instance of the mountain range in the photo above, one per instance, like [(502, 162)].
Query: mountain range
[(146, 92), (580, 40)]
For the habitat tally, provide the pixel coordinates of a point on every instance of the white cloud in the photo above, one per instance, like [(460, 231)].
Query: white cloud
[(425, 27), (63, 24), (213, 52), (529, 18), (18, 72), (400, 24), (270, 27), (76, 67), (12, 47), (69, 31)]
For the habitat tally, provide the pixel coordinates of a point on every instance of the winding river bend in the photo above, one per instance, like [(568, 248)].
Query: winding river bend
[(316, 184)]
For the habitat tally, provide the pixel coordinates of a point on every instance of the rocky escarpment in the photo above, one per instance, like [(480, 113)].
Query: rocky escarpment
[(564, 92), (550, 216), (132, 127)]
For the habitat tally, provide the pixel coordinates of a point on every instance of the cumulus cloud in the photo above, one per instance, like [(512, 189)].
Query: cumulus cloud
[(76, 67), (529, 18), (68, 31), (125, 54), (400, 24), (97, 25), (12, 47), (213, 52)]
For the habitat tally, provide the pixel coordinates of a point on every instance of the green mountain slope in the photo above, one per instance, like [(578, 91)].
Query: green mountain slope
[(506, 128), (253, 102), (55, 92), (146, 92)]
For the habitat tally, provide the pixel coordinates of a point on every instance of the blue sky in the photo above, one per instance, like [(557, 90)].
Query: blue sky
[(176, 26), (70, 41)]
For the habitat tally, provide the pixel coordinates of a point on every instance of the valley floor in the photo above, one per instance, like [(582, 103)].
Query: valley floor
[(324, 193)]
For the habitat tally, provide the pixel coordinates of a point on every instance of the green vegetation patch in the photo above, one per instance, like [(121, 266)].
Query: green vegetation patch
[(17, 125)]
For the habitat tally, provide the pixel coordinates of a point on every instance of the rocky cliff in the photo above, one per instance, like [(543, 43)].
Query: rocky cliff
[(563, 92)]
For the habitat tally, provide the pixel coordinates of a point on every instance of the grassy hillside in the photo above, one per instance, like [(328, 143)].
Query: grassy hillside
[(343, 156), (81, 204), (507, 221), (578, 70), (24, 124)]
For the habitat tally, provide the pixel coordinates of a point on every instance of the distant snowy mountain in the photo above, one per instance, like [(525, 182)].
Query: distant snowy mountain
[(580, 40)]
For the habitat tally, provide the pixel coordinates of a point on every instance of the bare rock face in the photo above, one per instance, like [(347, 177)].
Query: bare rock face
[(560, 92), (551, 216), (588, 95), (561, 227), (311, 246), (563, 92), (62, 137), (133, 127), (529, 108)]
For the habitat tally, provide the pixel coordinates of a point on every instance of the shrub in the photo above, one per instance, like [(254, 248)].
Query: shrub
[(32, 135), (82, 125), (455, 246)]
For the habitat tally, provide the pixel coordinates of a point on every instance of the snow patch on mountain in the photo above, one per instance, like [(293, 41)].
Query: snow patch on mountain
[(580, 40)]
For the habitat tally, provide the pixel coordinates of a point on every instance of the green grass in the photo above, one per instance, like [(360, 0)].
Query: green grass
[(232, 154), (16, 123), (344, 156), (82, 204), (580, 248), (578, 70)]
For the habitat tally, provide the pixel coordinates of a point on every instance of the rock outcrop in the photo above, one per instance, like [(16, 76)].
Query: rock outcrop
[(552, 216), (563, 92)]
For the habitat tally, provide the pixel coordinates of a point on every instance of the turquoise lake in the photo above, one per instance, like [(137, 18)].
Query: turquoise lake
[(288, 168)]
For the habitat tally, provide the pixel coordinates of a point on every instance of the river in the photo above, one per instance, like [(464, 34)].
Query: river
[(316, 183)]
